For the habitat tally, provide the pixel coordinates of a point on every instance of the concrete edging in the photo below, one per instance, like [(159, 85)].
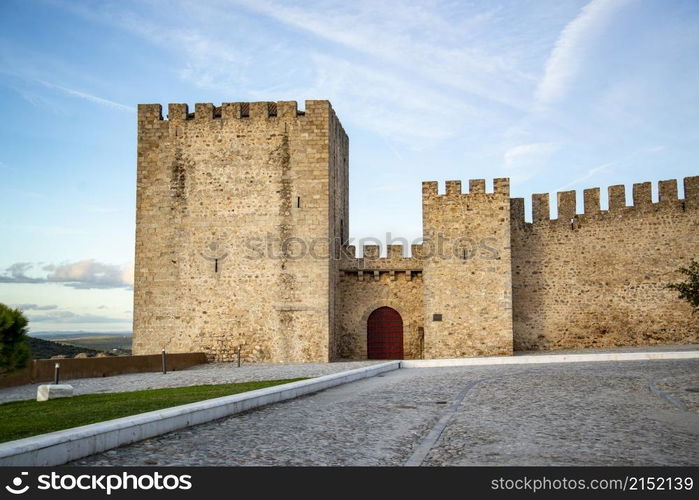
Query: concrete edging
[(550, 358), (60, 447)]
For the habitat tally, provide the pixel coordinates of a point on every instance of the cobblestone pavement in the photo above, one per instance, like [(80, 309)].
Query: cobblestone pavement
[(213, 373), (600, 413)]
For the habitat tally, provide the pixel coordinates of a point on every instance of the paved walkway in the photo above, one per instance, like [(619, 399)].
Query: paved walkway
[(213, 373), (601, 413), (604, 350)]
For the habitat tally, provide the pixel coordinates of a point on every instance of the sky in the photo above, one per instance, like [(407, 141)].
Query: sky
[(555, 94)]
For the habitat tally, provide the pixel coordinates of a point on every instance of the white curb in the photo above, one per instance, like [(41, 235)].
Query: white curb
[(60, 447), (550, 358)]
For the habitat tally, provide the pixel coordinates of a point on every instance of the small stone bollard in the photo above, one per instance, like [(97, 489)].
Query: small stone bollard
[(53, 391)]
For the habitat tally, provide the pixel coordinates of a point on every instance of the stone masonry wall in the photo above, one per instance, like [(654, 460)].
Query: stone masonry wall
[(243, 216), (467, 270), (338, 216), (228, 199), (598, 279), (370, 282)]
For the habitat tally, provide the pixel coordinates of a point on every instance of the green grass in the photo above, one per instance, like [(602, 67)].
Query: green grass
[(21, 419)]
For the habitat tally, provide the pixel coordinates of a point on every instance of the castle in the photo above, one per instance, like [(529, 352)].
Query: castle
[(242, 224)]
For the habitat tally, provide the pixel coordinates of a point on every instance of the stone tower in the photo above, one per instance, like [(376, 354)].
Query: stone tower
[(240, 209), (467, 274)]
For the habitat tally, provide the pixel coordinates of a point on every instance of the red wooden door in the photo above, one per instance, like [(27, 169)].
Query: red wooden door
[(384, 334)]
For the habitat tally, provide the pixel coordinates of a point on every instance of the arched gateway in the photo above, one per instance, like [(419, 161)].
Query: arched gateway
[(384, 334)]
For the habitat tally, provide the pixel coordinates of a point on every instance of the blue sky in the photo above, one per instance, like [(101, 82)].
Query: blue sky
[(554, 94)]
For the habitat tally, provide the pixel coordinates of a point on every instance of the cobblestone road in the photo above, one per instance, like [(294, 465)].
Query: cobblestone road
[(560, 414)]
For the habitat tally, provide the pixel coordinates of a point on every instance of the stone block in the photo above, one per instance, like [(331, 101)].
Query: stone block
[(54, 391)]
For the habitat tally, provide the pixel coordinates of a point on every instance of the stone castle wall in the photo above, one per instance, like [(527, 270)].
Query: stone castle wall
[(467, 270), (242, 225), (339, 219), (598, 279), (370, 282), (228, 200)]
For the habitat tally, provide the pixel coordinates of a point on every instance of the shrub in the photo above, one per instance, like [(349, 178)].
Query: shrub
[(689, 290), (14, 348)]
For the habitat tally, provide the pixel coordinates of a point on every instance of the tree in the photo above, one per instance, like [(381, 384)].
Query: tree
[(14, 347), (689, 290)]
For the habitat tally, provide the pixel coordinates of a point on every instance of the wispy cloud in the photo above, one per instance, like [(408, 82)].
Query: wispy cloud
[(618, 164), (588, 175), (84, 274), (524, 161), (412, 37), (408, 72), (569, 51), (17, 273), (86, 96), (35, 307), (63, 317), (194, 47), (387, 104)]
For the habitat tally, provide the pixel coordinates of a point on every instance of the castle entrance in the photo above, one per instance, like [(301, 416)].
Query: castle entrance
[(384, 334)]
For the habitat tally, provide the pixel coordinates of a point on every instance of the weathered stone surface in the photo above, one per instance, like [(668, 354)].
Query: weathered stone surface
[(53, 391), (238, 211), (358, 298), (242, 225), (467, 270), (599, 279)]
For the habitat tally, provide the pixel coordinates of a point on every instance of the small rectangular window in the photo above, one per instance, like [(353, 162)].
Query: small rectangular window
[(436, 317), (298, 202)]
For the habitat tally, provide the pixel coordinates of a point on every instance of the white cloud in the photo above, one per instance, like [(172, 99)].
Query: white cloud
[(88, 97), (84, 274), (588, 175), (127, 273), (410, 71), (35, 307), (196, 50), (63, 317), (569, 51), (420, 39), (92, 274), (388, 104), (524, 161)]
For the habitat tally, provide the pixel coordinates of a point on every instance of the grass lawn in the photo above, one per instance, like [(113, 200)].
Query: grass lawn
[(20, 419)]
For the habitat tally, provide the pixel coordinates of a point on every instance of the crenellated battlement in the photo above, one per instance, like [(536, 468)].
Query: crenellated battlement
[(372, 264), (241, 208), (476, 187), (641, 202), (180, 112)]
